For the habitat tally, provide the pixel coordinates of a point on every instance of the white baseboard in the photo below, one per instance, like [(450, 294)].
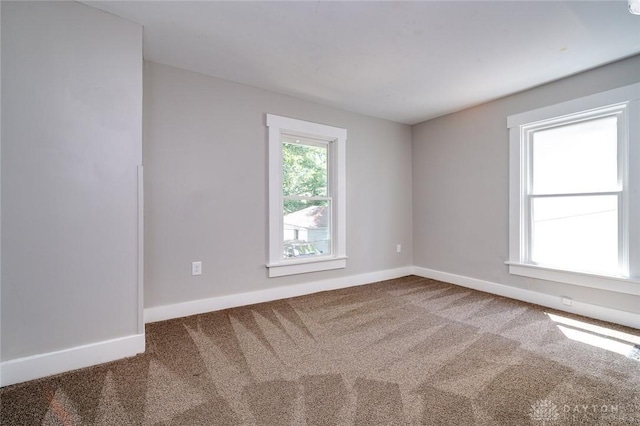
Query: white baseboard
[(628, 319), (42, 365), (165, 312)]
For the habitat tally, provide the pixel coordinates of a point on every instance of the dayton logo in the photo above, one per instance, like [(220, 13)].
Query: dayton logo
[(544, 411)]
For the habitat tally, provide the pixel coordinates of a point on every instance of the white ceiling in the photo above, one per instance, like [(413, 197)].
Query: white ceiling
[(403, 61)]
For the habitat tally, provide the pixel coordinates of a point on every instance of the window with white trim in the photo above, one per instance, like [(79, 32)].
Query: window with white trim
[(575, 191), (306, 196)]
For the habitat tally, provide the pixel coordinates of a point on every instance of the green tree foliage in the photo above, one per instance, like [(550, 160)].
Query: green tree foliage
[(304, 173)]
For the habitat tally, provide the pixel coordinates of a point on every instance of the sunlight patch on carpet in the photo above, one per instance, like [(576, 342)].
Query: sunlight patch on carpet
[(601, 337)]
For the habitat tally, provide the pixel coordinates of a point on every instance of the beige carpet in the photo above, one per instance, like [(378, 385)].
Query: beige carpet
[(404, 351)]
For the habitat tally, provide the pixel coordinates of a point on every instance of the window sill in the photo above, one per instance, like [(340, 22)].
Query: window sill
[(303, 266), (603, 282)]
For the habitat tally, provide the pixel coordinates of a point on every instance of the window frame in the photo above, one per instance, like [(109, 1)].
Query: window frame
[(625, 103), (335, 138)]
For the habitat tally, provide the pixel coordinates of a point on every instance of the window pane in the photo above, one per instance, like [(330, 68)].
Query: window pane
[(580, 157), (307, 228), (304, 170), (576, 233)]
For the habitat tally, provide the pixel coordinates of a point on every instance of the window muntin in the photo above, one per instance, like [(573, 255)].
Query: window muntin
[(306, 196)]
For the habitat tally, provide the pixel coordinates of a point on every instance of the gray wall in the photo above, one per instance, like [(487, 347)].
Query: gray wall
[(71, 141), (71, 126), (461, 181), (205, 158)]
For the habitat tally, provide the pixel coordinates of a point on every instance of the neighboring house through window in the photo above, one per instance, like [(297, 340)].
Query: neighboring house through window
[(575, 191), (306, 196)]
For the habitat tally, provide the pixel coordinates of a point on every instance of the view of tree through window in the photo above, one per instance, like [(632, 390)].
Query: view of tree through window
[(304, 174)]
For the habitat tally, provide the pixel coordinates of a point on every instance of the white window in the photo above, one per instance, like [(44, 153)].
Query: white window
[(306, 196), (575, 191)]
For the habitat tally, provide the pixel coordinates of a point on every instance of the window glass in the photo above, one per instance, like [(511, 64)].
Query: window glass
[(304, 169), (307, 228), (577, 157), (577, 233)]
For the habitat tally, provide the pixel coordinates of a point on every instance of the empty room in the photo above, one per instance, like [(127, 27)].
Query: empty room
[(320, 213)]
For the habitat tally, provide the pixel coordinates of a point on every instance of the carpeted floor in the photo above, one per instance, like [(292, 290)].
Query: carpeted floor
[(404, 351)]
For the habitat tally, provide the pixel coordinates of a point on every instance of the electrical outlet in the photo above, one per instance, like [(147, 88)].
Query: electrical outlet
[(399, 248), (196, 268)]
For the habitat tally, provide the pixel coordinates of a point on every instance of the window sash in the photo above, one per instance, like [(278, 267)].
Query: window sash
[(572, 120), (527, 255), (529, 130), (332, 244), (528, 194), (292, 138)]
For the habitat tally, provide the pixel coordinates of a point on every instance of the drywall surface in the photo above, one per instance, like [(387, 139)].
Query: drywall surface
[(71, 142), (205, 158), (461, 186)]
